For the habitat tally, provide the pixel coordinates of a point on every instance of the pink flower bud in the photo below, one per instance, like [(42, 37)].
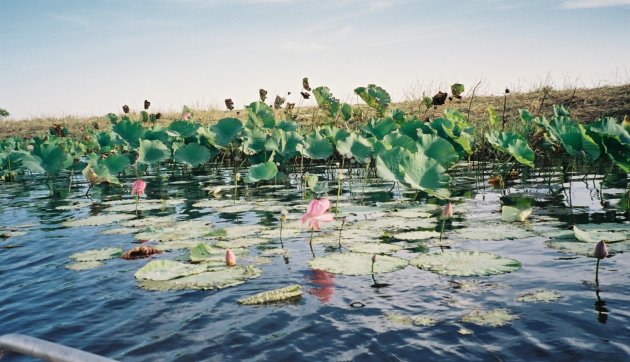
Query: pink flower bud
[(230, 258), (138, 187), (601, 250), (447, 213)]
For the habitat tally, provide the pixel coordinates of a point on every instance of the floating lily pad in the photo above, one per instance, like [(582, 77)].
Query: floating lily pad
[(74, 206), (239, 231), (143, 205), (394, 224), (178, 244), (191, 229), (287, 232), (540, 295), (415, 320), (465, 263), (586, 249), (97, 254), (84, 265), (595, 235), (98, 220), (417, 235), (235, 209), (151, 221), (9, 234), (494, 231), (204, 251), (240, 243), (357, 264), (215, 203), (214, 279), (160, 270), (514, 214), (275, 252), (491, 318), (291, 292), (119, 231), (374, 248)]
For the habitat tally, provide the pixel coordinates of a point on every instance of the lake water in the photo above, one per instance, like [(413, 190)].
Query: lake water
[(339, 317)]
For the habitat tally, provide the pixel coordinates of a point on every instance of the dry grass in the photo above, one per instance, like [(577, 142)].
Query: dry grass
[(585, 105)]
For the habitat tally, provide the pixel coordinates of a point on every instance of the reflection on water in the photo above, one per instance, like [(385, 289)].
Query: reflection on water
[(324, 283), (600, 307)]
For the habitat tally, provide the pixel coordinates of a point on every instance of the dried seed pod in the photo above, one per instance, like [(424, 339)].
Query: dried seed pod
[(263, 94), (229, 103), (440, 98), (146, 104), (126, 108), (305, 95), (305, 84)]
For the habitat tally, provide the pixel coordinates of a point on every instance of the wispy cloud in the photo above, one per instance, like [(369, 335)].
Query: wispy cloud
[(302, 47), (593, 4)]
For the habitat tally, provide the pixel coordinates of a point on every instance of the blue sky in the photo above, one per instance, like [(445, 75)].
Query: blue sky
[(76, 57)]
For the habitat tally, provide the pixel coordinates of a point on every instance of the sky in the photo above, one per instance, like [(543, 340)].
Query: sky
[(81, 58)]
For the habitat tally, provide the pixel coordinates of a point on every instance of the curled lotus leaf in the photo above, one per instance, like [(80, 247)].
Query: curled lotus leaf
[(539, 295), (514, 214), (291, 292), (465, 263), (410, 320), (218, 278), (490, 318), (140, 252), (357, 264), (97, 254)]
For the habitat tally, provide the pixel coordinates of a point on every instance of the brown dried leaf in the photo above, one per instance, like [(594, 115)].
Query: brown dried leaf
[(140, 252)]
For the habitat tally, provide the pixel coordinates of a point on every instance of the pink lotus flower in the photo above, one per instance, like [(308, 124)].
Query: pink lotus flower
[(138, 187), (186, 116), (316, 213), (230, 258), (447, 213)]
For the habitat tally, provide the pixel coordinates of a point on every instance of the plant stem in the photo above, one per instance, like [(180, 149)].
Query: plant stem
[(442, 232), (343, 221), (310, 242), (597, 273)]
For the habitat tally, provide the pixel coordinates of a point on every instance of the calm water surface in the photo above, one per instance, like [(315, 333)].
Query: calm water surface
[(340, 317)]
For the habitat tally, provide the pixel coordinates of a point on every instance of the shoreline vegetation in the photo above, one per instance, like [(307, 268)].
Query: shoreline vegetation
[(585, 105)]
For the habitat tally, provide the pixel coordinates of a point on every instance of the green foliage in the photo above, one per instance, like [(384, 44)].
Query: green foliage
[(326, 101), (260, 115), (513, 144), (184, 129), (152, 152), (457, 89), (130, 131), (375, 97), (317, 147), (4, 113), (262, 171), (192, 154)]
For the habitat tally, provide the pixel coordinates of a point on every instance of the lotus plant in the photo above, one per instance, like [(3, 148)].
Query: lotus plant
[(316, 213), (137, 190), (600, 252), (283, 218), (230, 258)]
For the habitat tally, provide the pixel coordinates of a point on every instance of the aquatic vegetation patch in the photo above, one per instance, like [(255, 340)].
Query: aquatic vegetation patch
[(291, 292), (539, 296), (490, 318), (410, 320), (465, 263), (357, 264), (97, 254)]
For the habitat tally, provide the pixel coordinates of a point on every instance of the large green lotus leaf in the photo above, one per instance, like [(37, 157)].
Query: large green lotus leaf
[(98, 220), (130, 131), (608, 127), (375, 97), (254, 140), (426, 174), (317, 147), (184, 128), (465, 263), (152, 152), (492, 231), (47, 157), (410, 320), (288, 143), (438, 148), (573, 137), (414, 128), (262, 171), (417, 235), (157, 133), (396, 139), (326, 101), (84, 265), (192, 154), (116, 163), (388, 164), (291, 292), (513, 144), (214, 279), (334, 134), (164, 269), (226, 130), (357, 264), (374, 248), (380, 127), (260, 115), (97, 254), (539, 296), (490, 318)]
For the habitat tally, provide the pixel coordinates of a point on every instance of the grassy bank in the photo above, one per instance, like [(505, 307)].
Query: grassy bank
[(585, 105)]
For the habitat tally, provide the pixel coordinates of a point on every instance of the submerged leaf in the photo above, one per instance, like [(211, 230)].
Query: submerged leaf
[(491, 318), (84, 265), (415, 320), (540, 295), (277, 295)]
